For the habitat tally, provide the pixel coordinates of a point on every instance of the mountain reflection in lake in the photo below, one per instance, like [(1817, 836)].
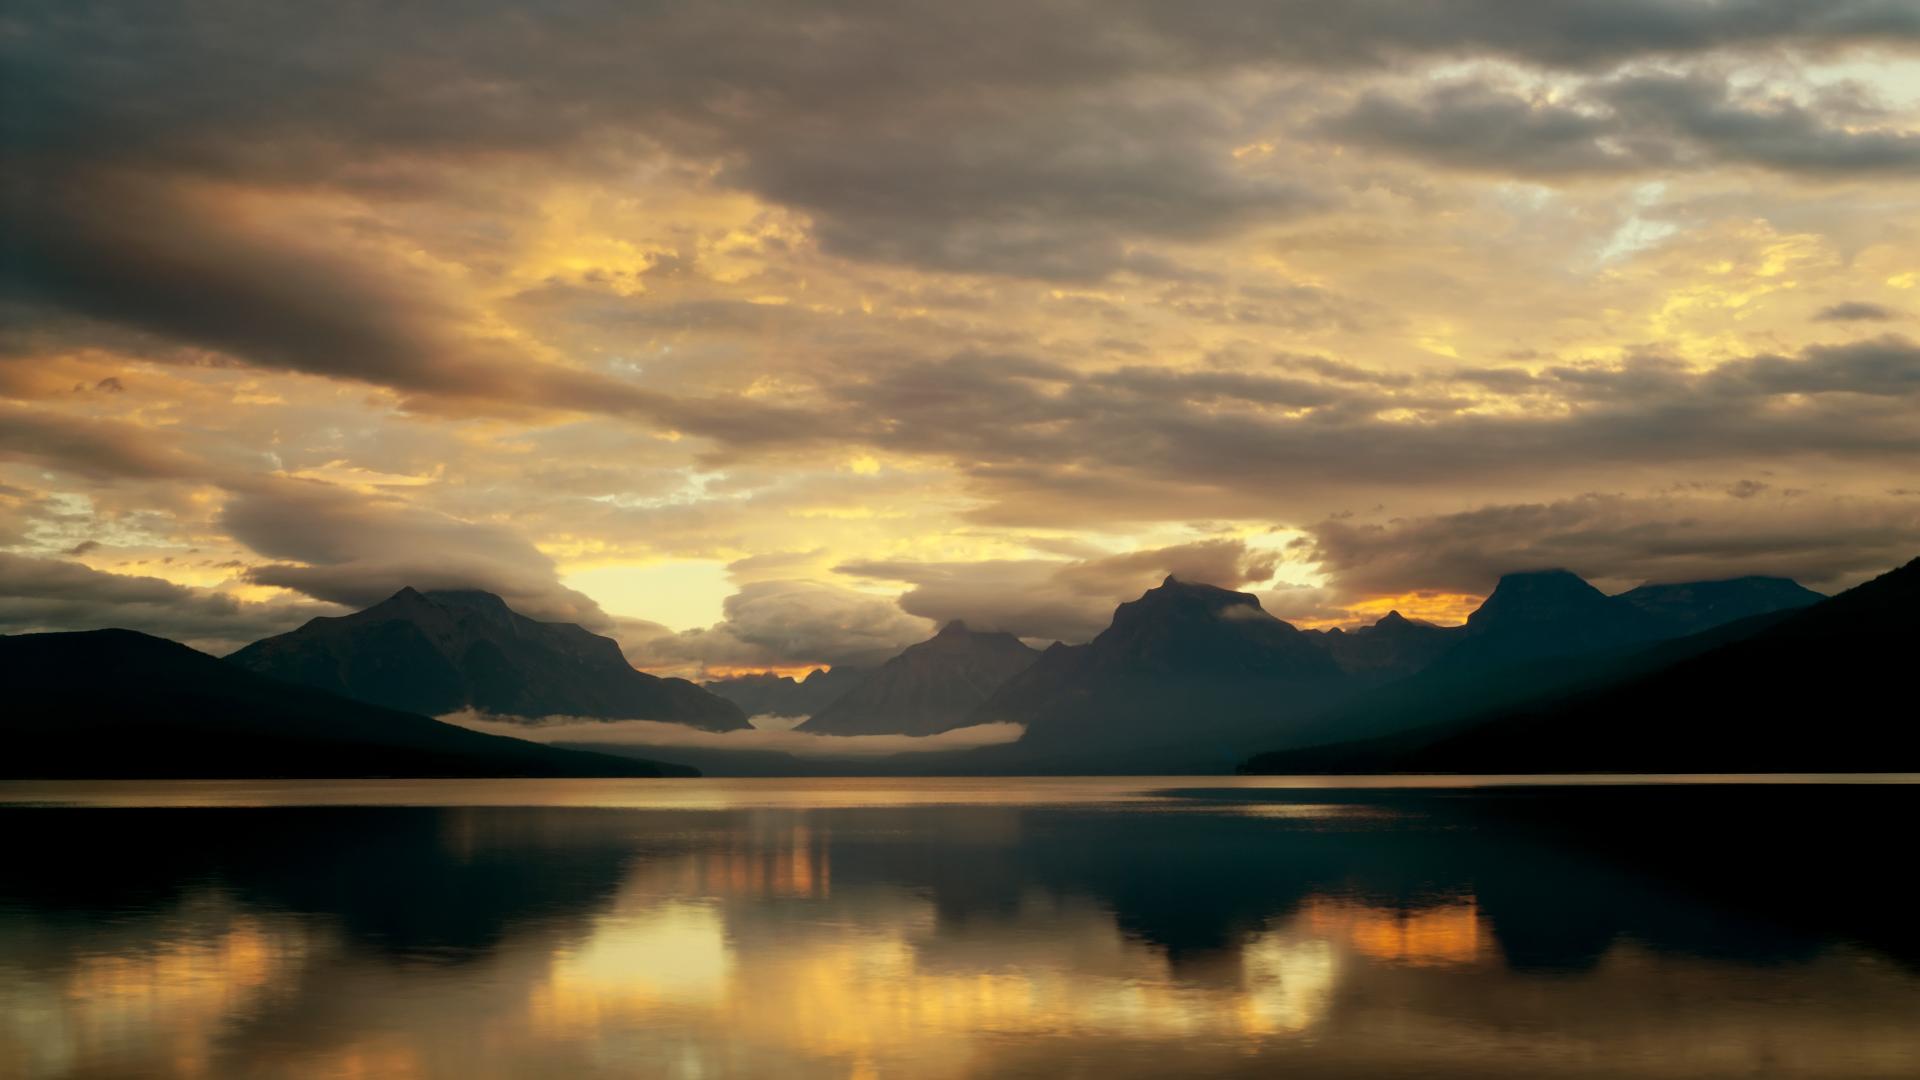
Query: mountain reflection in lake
[(831, 928)]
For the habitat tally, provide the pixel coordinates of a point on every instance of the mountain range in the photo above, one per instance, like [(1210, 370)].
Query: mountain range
[(1820, 687), (101, 704), (441, 652), (1188, 677)]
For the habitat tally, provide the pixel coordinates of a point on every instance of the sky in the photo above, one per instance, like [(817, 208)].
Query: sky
[(765, 336)]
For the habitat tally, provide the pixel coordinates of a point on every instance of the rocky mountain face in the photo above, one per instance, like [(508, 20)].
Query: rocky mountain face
[(116, 703), (439, 652), (930, 687)]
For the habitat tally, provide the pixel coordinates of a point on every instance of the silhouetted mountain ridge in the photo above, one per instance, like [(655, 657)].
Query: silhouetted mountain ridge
[(1690, 607), (1180, 676), (444, 651), (1819, 688), (1392, 647), (768, 694)]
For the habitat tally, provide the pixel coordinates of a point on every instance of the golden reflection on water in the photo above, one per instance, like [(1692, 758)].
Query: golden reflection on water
[(164, 999), (744, 954), (868, 996), (1443, 934)]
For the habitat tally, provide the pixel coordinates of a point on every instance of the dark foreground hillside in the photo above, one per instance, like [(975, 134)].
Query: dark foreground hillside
[(115, 703)]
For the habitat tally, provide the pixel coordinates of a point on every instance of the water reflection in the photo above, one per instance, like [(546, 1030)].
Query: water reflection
[(1196, 932)]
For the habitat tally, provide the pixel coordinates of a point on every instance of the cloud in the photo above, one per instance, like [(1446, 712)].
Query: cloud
[(1063, 600), (898, 286), (39, 595), (1625, 124), (783, 623), (352, 549), (1050, 189), (95, 449), (1825, 542), (1046, 445), (1856, 311), (764, 739)]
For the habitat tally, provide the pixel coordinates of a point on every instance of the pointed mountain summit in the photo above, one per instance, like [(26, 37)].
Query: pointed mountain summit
[(443, 651), (1182, 675), (930, 687)]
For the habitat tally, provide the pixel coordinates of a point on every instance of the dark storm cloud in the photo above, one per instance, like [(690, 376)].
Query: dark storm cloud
[(1628, 124), (1856, 311), (1059, 600), (1823, 542), (55, 594)]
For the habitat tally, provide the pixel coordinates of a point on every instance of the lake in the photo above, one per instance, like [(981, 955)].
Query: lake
[(945, 928)]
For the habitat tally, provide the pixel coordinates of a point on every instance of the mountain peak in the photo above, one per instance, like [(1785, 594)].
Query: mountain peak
[(452, 649), (1393, 618), (928, 687), (473, 600), (1536, 592), (1174, 589), (1552, 577)]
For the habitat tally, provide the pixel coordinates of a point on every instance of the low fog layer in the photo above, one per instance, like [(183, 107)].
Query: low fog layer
[(770, 733)]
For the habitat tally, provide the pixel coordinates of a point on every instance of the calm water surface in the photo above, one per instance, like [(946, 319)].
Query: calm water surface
[(959, 928)]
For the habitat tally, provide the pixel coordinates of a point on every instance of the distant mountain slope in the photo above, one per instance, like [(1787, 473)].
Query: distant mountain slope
[(1393, 647), (440, 652), (767, 694), (1182, 676), (1824, 688), (930, 687), (116, 703), (1691, 607)]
